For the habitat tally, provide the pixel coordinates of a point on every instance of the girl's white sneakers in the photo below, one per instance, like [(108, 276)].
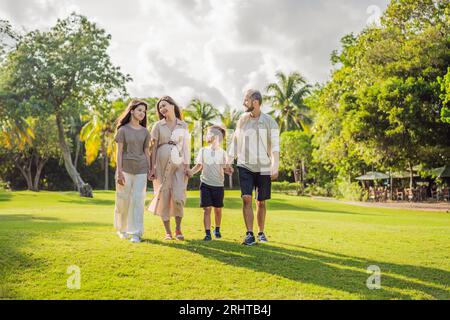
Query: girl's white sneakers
[(122, 235), (135, 239)]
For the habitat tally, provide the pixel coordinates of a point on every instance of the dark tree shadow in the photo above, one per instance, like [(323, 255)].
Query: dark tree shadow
[(322, 268), (5, 196), (24, 218), (274, 204), (278, 205), (90, 201)]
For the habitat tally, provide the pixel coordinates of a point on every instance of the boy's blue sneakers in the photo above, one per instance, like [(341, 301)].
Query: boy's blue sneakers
[(262, 237), (217, 234), (249, 240), (207, 238)]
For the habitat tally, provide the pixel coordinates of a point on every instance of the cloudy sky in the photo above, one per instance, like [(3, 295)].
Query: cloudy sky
[(210, 49)]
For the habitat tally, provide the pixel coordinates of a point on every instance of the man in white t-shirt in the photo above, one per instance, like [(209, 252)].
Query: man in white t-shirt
[(255, 144)]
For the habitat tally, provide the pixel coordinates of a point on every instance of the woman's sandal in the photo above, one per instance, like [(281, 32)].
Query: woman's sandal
[(168, 237), (179, 235)]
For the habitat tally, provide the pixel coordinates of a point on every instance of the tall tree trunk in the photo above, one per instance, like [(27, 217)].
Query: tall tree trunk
[(75, 159), (26, 172), (77, 152), (296, 175), (39, 166), (105, 165), (411, 175), (391, 184), (106, 172), (303, 173), (84, 188)]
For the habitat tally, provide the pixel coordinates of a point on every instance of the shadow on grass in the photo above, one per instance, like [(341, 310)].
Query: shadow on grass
[(5, 196), (16, 234), (274, 204), (90, 201), (279, 205), (23, 217), (325, 269)]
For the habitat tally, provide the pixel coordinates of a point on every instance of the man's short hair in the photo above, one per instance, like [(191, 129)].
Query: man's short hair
[(254, 95), (219, 129)]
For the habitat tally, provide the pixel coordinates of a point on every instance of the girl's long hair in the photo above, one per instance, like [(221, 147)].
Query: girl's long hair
[(169, 100), (125, 117)]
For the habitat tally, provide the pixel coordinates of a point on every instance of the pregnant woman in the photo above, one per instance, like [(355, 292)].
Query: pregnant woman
[(133, 164), (170, 165)]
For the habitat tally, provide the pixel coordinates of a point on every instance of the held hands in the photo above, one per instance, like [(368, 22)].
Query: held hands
[(274, 175), (151, 174), (228, 170), (120, 178), (187, 171)]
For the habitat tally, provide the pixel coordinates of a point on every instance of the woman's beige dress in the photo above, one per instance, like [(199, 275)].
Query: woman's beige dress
[(171, 182)]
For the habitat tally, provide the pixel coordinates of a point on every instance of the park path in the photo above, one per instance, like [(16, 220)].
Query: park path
[(428, 206)]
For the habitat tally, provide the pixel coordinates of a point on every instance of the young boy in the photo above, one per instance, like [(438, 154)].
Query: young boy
[(211, 160)]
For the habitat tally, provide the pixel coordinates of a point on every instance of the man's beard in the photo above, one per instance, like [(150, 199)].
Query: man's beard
[(249, 109)]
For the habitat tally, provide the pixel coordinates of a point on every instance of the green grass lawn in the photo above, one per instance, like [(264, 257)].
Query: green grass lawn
[(317, 250)]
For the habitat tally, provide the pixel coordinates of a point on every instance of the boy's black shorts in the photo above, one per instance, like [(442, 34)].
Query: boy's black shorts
[(211, 196), (261, 183)]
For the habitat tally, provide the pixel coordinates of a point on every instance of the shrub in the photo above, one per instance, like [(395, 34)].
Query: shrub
[(287, 187), (349, 191), (321, 191), (4, 186)]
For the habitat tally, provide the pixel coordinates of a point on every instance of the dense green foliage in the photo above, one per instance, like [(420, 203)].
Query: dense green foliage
[(382, 107)]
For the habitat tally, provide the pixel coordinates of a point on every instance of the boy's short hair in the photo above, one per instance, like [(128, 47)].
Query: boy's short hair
[(218, 128)]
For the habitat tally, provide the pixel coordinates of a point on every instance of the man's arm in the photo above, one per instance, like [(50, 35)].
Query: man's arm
[(275, 149), (231, 154), (275, 165)]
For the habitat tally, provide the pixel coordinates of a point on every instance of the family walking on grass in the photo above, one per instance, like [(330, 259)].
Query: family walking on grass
[(163, 157)]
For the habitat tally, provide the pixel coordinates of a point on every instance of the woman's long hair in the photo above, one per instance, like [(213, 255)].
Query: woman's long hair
[(169, 100), (125, 117)]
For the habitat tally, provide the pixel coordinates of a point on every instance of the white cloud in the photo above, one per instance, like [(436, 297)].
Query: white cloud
[(211, 49)]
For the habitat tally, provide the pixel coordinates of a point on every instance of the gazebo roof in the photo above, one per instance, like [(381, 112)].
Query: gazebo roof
[(441, 172), (373, 175), (403, 175)]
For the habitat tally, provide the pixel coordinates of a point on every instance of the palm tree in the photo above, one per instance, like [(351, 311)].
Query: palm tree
[(229, 119), (15, 133), (286, 97), (16, 136), (152, 115), (98, 135), (202, 113), (34, 156)]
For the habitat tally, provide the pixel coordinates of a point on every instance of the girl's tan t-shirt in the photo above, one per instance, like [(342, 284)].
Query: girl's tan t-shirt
[(135, 141)]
